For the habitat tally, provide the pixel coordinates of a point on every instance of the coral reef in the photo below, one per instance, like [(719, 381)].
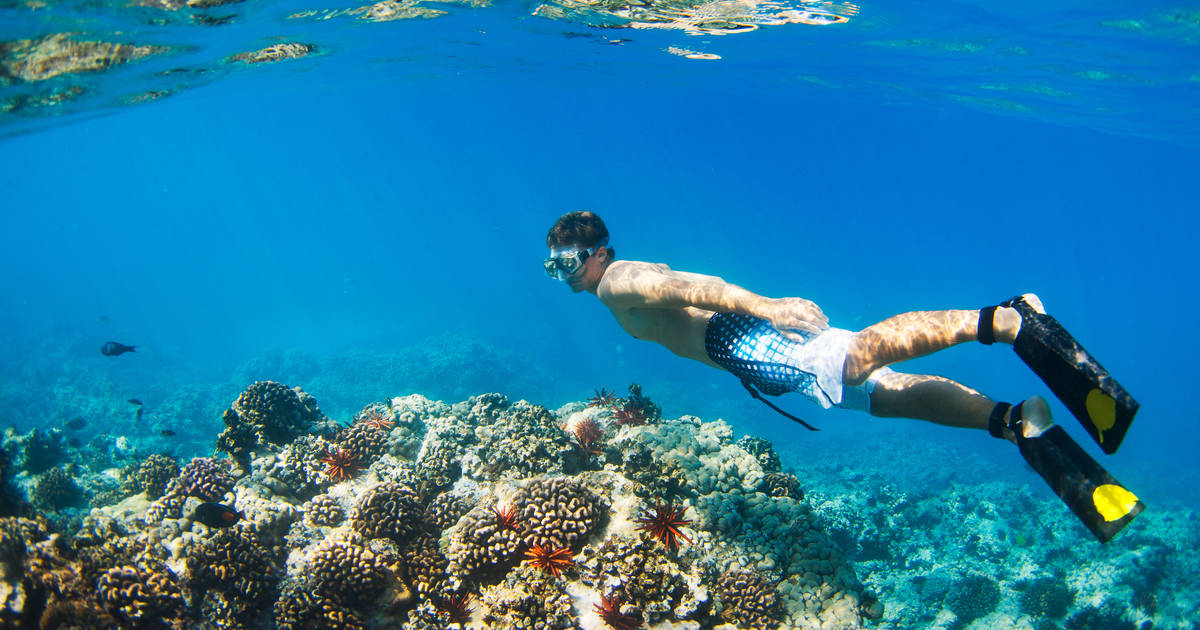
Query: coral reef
[(266, 413), (151, 475), (748, 600), (388, 510), (492, 513), (56, 489), (323, 510)]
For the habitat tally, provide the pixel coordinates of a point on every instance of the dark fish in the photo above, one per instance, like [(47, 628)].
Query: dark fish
[(74, 442), (134, 401), (75, 424), (216, 514), (167, 433), (103, 319), (112, 349), (138, 415)]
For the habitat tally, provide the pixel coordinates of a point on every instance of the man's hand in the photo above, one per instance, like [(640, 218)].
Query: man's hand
[(790, 315)]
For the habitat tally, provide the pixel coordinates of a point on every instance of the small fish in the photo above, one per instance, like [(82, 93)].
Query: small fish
[(74, 442), (167, 433), (138, 415), (112, 349), (134, 401), (103, 319), (75, 424), (217, 514)]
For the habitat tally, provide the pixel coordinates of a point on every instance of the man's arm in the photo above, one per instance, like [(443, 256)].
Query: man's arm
[(633, 284)]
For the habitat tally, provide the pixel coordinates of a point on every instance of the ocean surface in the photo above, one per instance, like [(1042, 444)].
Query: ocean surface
[(361, 209)]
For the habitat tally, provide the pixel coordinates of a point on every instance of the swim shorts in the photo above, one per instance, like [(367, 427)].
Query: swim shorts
[(754, 351)]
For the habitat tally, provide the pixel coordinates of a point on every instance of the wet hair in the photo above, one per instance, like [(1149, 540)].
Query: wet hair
[(582, 228)]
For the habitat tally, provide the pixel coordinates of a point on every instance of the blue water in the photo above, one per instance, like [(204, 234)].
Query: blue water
[(393, 192)]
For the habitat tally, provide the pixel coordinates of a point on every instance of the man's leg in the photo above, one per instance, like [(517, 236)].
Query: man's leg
[(933, 398), (916, 334)]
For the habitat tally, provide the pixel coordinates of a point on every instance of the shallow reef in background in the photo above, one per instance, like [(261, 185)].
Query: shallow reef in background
[(494, 513), (420, 514)]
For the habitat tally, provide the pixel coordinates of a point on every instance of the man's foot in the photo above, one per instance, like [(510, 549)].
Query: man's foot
[(1035, 419), (1007, 322)]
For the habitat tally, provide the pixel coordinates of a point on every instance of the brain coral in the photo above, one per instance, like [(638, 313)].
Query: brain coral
[(556, 512), (972, 597), (143, 595), (388, 510), (151, 475), (234, 562), (481, 545), (346, 572), (267, 412), (205, 478), (322, 510), (748, 600), (56, 489), (301, 608)]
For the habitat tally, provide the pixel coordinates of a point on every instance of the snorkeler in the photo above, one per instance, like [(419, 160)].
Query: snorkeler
[(779, 345)]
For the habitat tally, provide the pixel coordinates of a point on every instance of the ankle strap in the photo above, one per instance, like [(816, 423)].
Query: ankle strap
[(985, 333), (996, 424)]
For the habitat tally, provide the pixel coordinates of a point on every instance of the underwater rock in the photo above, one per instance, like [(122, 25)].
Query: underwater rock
[(57, 54), (39, 450)]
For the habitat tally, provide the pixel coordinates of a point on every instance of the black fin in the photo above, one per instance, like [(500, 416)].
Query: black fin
[(1103, 504), (1092, 395)]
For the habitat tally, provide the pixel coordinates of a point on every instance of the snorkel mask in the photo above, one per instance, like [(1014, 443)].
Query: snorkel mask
[(565, 262)]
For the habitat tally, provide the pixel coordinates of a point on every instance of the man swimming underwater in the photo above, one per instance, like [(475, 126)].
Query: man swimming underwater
[(779, 345)]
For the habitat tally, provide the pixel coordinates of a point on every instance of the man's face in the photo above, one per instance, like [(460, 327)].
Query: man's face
[(587, 276)]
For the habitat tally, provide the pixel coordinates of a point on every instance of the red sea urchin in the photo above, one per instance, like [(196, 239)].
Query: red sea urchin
[(457, 607), (506, 518), (630, 414), (340, 465), (609, 610), (664, 523), (375, 419), (550, 560), (587, 433)]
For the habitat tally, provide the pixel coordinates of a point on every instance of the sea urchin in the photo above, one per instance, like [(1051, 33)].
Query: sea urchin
[(664, 523), (550, 560), (609, 610), (340, 464)]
